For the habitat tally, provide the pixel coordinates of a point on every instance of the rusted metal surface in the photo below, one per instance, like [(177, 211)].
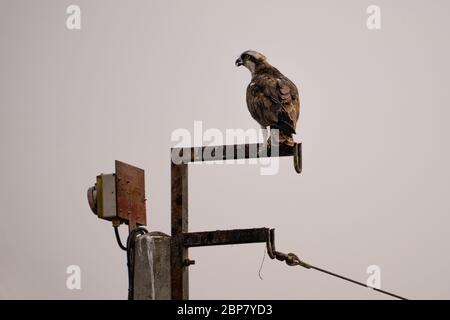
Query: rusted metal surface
[(181, 239), (179, 219), (224, 237), (130, 187), (231, 152), (298, 164)]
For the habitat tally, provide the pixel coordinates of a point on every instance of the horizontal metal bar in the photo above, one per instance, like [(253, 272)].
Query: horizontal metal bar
[(228, 152), (225, 237)]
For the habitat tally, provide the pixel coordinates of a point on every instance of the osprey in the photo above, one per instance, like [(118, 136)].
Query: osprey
[(272, 99)]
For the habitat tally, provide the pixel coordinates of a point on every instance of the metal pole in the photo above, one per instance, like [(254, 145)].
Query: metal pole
[(179, 217)]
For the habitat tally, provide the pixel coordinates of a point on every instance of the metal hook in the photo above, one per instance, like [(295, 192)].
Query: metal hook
[(298, 157), (270, 243), (291, 259)]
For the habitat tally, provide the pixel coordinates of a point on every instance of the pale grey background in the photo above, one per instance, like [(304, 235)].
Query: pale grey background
[(374, 124)]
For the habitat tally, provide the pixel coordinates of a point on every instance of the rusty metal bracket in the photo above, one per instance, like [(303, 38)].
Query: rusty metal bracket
[(181, 239), (240, 151), (298, 165), (234, 152), (225, 237)]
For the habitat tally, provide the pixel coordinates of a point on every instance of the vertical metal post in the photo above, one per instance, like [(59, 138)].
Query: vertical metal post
[(179, 217)]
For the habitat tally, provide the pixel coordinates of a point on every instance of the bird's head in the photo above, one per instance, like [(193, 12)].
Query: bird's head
[(251, 60)]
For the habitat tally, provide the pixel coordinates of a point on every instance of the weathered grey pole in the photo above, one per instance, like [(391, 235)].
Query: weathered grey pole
[(152, 267)]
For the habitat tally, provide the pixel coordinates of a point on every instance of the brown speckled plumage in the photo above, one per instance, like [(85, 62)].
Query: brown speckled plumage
[(272, 99)]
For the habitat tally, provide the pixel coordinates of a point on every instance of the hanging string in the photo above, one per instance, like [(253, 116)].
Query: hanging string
[(262, 263)]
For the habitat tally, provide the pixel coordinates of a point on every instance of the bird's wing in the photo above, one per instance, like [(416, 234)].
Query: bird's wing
[(274, 101)]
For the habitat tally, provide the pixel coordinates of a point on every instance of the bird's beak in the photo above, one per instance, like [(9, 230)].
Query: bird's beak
[(239, 62)]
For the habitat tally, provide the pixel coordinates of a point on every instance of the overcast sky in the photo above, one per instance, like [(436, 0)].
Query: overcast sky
[(374, 127)]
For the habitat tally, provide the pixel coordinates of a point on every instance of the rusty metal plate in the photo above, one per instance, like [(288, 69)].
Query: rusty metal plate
[(131, 194)]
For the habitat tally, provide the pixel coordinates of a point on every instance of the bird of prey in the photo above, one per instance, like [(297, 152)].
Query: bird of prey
[(272, 98)]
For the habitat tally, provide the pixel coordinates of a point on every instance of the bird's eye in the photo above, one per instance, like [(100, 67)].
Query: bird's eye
[(246, 56)]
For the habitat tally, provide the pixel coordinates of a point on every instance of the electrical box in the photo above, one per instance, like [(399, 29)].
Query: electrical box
[(106, 196), (120, 197)]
